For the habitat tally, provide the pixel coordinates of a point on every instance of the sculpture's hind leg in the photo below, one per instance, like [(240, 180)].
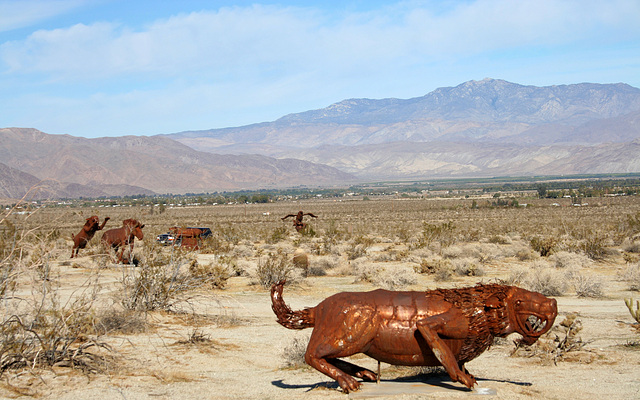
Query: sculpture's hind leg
[(353, 369), (346, 382), (349, 333)]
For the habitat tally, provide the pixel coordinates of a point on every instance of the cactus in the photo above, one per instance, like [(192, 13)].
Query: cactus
[(634, 313)]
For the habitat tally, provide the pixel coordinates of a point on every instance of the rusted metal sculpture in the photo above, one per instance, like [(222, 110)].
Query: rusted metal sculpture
[(119, 238), (447, 327), (86, 234), (187, 237), (297, 222)]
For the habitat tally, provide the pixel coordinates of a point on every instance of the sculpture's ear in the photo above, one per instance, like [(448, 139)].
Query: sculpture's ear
[(492, 302)]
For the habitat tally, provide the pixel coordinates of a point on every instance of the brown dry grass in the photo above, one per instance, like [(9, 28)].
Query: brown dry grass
[(204, 302)]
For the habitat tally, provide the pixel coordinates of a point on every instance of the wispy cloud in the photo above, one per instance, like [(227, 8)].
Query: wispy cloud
[(292, 55), (16, 14)]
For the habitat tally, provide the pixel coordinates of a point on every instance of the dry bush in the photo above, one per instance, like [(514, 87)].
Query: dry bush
[(48, 331), (632, 276), (543, 245), (631, 246), (547, 281), (588, 286), (320, 265), (562, 343), (386, 276), (467, 267), (45, 329), (443, 233), (524, 253), (358, 247), (569, 260), (279, 234), (500, 239), (441, 269), (115, 321), (293, 353), (215, 274), (594, 245), (274, 267), (517, 277), (157, 284)]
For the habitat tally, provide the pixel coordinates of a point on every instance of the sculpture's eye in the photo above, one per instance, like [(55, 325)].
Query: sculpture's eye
[(518, 302)]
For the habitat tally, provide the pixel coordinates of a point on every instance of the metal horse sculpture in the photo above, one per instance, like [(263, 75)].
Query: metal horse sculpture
[(187, 237), (119, 238), (297, 222), (447, 327), (86, 234)]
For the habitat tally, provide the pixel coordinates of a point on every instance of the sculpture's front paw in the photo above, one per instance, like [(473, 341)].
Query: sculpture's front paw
[(367, 375), (466, 379), (348, 384)]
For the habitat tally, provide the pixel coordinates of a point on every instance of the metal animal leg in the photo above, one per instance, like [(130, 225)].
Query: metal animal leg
[(353, 370), (346, 382), (450, 325)]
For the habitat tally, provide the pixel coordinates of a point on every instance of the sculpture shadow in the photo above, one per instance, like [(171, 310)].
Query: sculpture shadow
[(441, 380), (321, 385)]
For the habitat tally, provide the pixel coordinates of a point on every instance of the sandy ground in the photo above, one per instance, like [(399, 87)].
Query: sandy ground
[(244, 358)]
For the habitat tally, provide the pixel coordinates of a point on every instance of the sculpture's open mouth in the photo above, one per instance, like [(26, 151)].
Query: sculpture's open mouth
[(533, 325)]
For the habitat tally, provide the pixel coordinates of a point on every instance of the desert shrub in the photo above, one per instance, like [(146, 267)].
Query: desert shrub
[(386, 276), (274, 267), (358, 247), (544, 246), (443, 233), (594, 245), (293, 353), (467, 267), (216, 274), (631, 246), (432, 265), (523, 253), (548, 282), (279, 234), (47, 331), (632, 276), (558, 344), (157, 283), (588, 286), (113, 321), (569, 260), (452, 252), (320, 265), (516, 277), (632, 225), (499, 239)]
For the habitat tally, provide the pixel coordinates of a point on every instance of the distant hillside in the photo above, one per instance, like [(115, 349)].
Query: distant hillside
[(438, 133), (138, 164), (15, 184)]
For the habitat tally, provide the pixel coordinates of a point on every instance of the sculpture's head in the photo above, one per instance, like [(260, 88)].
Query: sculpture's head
[(530, 313), (134, 227), (92, 223)]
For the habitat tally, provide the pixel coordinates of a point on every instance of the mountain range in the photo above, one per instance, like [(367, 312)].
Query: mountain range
[(476, 129)]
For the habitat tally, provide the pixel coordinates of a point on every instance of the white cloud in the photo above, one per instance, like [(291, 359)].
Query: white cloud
[(239, 65), (16, 14), (269, 39)]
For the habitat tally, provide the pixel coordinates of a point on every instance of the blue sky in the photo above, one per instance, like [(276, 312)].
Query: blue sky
[(97, 68)]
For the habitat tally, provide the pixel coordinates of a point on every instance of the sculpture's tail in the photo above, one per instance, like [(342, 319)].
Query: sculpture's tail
[(286, 316)]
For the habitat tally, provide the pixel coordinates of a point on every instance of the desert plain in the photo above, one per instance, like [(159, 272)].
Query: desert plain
[(198, 324)]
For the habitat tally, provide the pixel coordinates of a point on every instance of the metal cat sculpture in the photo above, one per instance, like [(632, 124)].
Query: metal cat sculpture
[(447, 327)]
